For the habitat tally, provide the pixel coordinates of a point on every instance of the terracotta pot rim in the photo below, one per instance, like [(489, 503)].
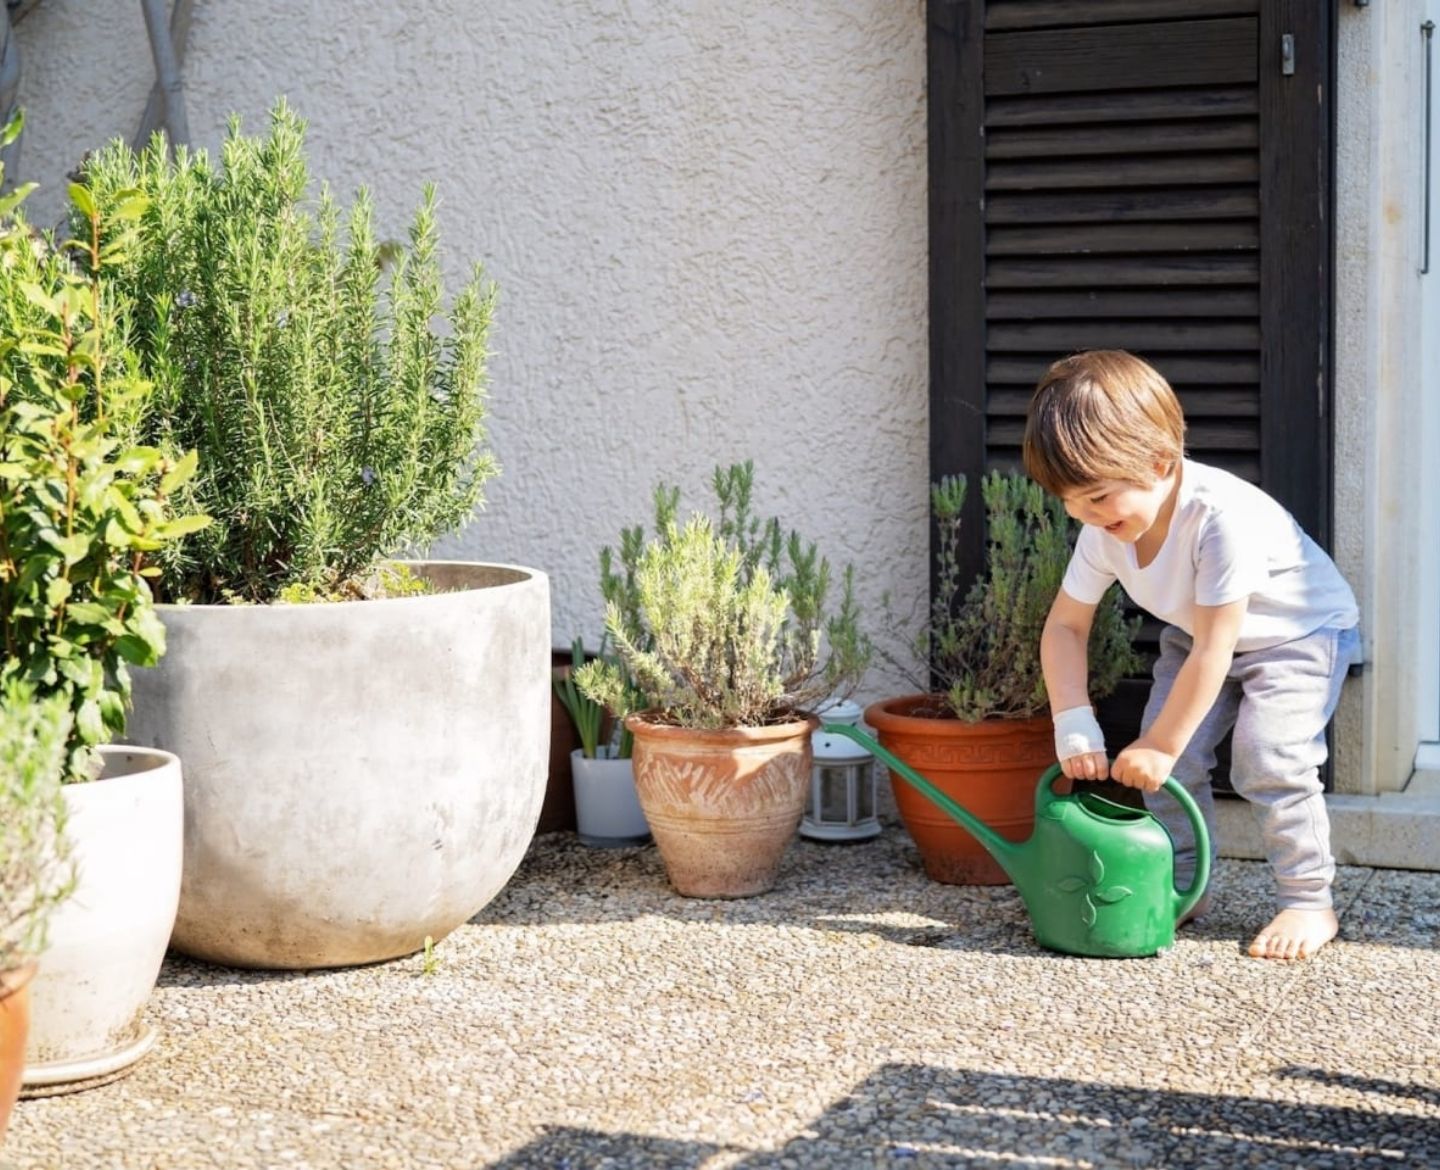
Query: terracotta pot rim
[(892, 715), (641, 724), (16, 978)]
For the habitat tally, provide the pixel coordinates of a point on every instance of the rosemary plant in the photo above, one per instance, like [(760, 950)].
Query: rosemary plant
[(337, 420)]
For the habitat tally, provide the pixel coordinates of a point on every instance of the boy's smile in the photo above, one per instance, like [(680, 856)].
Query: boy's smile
[(1127, 511)]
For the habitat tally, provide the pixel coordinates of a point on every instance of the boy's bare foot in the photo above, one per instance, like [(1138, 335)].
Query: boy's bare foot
[(1295, 934)]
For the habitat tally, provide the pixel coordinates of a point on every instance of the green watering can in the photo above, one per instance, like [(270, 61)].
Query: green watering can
[(1098, 878)]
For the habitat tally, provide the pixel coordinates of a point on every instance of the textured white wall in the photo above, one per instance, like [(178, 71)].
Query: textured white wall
[(707, 221)]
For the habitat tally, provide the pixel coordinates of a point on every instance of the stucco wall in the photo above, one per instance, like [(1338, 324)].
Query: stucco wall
[(708, 224)]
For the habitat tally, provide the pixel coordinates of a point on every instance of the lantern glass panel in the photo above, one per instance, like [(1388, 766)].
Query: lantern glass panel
[(836, 783)]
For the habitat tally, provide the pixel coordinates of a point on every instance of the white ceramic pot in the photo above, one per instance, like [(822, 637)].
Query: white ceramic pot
[(108, 939), (607, 810), (358, 775)]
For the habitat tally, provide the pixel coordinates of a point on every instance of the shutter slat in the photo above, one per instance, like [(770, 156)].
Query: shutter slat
[(1141, 171), (1028, 14), (1199, 401), (1124, 206), (1144, 138), (1212, 369), (1086, 272), (1228, 435), (1123, 238), (1188, 52), (1170, 336), (1004, 305), (1126, 106)]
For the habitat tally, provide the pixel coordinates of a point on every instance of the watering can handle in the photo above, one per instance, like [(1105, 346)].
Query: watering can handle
[(1188, 897)]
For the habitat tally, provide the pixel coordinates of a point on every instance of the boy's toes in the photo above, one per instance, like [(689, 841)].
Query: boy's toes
[(1295, 934)]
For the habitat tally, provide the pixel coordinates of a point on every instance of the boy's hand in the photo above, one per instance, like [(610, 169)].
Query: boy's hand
[(1139, 766), (1094, 766)]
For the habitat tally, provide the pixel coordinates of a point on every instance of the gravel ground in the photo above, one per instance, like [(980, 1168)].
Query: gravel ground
[(858, 1015)]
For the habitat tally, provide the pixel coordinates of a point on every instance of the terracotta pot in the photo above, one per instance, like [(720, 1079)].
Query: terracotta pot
[(14, 1028), (988, 767), (723, 805)]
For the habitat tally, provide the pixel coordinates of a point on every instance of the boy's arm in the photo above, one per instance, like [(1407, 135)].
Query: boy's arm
[(1147, 761), (1063, 658)]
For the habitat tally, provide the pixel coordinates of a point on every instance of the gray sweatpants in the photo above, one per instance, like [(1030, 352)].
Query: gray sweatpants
[(1278, 701)]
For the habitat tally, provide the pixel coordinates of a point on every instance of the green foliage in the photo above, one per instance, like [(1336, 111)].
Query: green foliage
[(36, 874), (80, 513), (337, 409), (585, 712), (387, 579), (986, 651), (720, 625)]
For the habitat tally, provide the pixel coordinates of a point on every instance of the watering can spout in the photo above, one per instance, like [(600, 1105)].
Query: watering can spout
[(1007, 854)]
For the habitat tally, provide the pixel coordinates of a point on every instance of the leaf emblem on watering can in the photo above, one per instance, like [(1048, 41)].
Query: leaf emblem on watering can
[(1095, 890)]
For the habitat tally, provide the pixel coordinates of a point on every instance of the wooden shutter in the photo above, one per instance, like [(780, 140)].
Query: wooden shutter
[(1137, 174)]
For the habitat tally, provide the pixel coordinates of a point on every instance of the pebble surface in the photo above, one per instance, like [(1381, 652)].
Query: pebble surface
[(857, 1015)]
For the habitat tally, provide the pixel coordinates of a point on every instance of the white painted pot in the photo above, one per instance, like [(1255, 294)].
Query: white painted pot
[(607, 810), (108, 939), (358, 775)]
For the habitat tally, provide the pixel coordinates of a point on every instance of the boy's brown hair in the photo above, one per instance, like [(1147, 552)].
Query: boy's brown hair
[(1103, 414)]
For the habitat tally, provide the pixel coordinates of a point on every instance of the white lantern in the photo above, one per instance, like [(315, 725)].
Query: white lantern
[(842, 782)]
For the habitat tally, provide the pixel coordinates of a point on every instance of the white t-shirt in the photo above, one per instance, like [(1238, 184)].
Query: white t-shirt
[(1227, 540)]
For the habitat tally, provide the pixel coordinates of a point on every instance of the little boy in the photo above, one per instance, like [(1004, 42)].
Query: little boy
[(1260, 626)]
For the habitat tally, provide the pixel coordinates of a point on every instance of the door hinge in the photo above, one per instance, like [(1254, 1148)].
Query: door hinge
[(1287, 54)]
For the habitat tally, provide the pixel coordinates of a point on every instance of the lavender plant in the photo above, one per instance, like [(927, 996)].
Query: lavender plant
[(36, 873), (724, 624), (984, 648), (337, 407)]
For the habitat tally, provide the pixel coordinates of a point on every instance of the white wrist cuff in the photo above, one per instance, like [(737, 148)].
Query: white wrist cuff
[(1077, 733)]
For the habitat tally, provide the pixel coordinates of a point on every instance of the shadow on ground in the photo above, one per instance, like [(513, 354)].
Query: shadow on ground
[(918, 1115)]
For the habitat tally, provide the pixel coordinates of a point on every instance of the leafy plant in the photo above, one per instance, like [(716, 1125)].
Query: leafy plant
[(338, 411), (985, 649), (720, 625), (36, 873), (587, 714), (80, 513)]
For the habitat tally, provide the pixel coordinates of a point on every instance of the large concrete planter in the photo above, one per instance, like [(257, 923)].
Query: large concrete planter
[(108, 939), (358, 776)]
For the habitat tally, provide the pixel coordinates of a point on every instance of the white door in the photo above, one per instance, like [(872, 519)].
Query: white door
[(1428, 696)]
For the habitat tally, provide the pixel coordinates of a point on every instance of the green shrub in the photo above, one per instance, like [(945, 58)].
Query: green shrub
[(337, 420), (80, 513), (721, 626), (985, 650), (35, 870)]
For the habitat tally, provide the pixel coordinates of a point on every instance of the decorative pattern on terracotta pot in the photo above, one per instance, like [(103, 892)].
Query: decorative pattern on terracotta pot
[(989, 767), (723, 805)]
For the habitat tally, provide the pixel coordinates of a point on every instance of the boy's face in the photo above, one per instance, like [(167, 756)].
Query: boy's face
[(1123, 509)]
